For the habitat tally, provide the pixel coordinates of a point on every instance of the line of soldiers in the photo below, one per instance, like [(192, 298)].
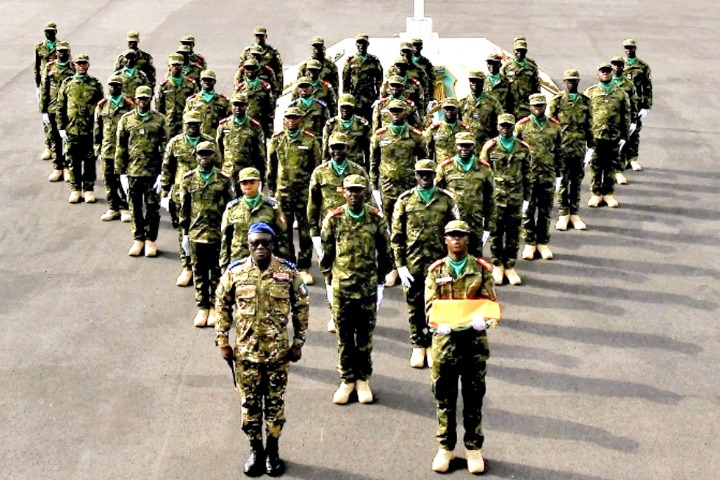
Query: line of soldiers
[(376, 189)]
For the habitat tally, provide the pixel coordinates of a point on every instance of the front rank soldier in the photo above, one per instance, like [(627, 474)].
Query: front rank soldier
[(638, 71), (266, 293), (321, 89), (195, 57), (497, 84), (264, 72), (362, 77), (241, 140), (261, 101), (314, 111), (107, 117), (143, 60), (328, 69), (618, 66), (459, 356), (212, 106), (524, 77), (270, 57), (354, 126), (173, 94), (440, 136), (480, 109), (190, 69), (45, 51)]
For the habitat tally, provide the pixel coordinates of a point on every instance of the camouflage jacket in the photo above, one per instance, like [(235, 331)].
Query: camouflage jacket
[(524, 81), (473, 191), (212, 112), (481, 114), (328, 72), (236, 221), (129, 84), (414, 90), (241, 146), (107, 118), (640, 75), (265, 74), (381, 115), (362, 78), (440, 138), (199, 59), (544, 141), (264, 302), (261, 103), (417, 228), (76, 101), (140, 144), (500, 92), (52, 78), (323, 91), (170, 100), (629, 87), (179, 159), (192, 71), (358, 149), (43, 55), (271, 58), (314, 117), (417, 85), (291, 162), (511, 171), (424, 64), (575, 122), (144, 62), (393, 157), (610, 112), (357, 253), (202, 203)]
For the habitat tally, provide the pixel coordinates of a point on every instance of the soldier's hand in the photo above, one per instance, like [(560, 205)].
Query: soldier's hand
[(621, 144), (63, 134), (294, 354), (633, 127), (485, 236), (317, 245), (558, 181), (378, 198), (525, 205), (37, 93), (46, 118), (380, 294), (165, 203), (186, 244), (158, 184), (588, 156), (643, 113), (406, 277), (329, 293), (226, 352)]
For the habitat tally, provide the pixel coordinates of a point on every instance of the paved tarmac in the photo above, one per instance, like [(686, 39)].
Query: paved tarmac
[(605, 366)]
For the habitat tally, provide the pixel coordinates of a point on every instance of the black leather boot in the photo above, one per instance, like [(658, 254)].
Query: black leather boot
[(254, 464), (273, 465)]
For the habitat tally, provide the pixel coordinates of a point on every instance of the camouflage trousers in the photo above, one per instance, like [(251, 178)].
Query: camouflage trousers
[(295, 208), (55, 143), (568, 197), (205, 258), (141, 193), (415, 298), (262, 389), (184, 259), (602, 167), (354, 325), (116, 198), (364, 106), (631, 149), (462, 364), (81, 162), (536, 220), (505, 240)]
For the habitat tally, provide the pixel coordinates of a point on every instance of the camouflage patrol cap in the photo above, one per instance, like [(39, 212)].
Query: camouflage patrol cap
[(317, 41), (506, 118), (250, 62), (571, 74), (50, 26), (361, 37), (188, 39), (193, 116), (292, 112), (494, 57), (82, 58), (479, 74), (425, 165), (175, 59), (406, 46), (205, 147), (256, 49), (208, 74), (354, 181), (239, 98), (395, 80), (520, 44), (304, 81), (604, 66), (396, 105), (183, 49), (629, 42), (464, 138), (143, 91), (400, 61), (133, 36), (417, 41), (62, 46), (117, 79), (259, 30), (450, 103), (249, 173), (314, 64), (457, 226), (538, 99), (129, 53), (338, 138), (617, 59), (346, 100)]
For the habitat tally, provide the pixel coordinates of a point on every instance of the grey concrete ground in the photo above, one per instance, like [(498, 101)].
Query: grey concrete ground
[(605, 366)]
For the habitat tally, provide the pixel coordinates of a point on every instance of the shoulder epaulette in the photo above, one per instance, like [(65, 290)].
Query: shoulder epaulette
[(309, 133), (226, 175), (380, 131), (266, 85), (268, 69), (490, 144), (405, 194), (165, 82), (189, 173), (223, 96), (248, 47), (525, 144), (524, 120), (335, 211), (234, 264), (328, 84), (254, 122), (277, 134), (410, 102), (554, 120), (50, 62), (191, 97), (435, 125), (129, 101), (416, 130), (374, 211), (190, 80), (413, 79), (436, 264), (464, 125), (102, 102), (447, 192), (224, 121), (288, 263), (445, 162), (233, 202), (484, 263), (321, 102)]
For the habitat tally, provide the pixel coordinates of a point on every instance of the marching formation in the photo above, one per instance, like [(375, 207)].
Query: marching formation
[(383, 182)]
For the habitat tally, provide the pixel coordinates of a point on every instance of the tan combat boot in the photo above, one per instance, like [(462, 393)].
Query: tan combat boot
[(306, 277), (475, 462), (595, 201), (417, 359), (342, 394), (441, 462), (46, 154), (66, 174), (364, 393), (528, 252), (150, 248), (611, 201), (89, 197), (498, 273), (621, 179), (562, 222), (55, 176), (74, 197), (545, 251), (577, 222), (183, 280), (201, 317), (635, 165), (137, 248), (125, 216), (513, 277), (331, 325), (391, 278), (110, 215), (212, 318)]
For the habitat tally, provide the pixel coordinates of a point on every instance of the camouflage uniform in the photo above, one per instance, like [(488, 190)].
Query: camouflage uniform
[(356, 257), (629, 88), (639, 73), (170, 100), (481, 114), (261, 103), (413, 90), (381, 115), (242, 144), (511, 173), (107, 117), (290, 164), (236, 221), (202, 203), (328, 72), (498, 87), (358, 133), (45, 53), (321, 90), (362, 78), (76, 101), (271, 58), (265, 74), (524, 81), (138, 154), (575, 117), (440, 139), (143, 62), (459, 355), (212, 111), (416, 240), (313, 117), (52, 78), (264, 302), (135, 78)]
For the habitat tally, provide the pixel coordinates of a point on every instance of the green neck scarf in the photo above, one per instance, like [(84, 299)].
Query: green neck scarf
[(186, 69), (62, 65), (177, 80), (477, 98), (143, 115), (356, 216), (50, 44), (426, 194), (361, 57), (253, 84), (573, 96), (458, 266), (631, 61), (80, 77), (129, 72), (206, 175), (405, 79), (538, 121), (617, 80), (399, 129), (339, 168), (465, 166), (306, 103), (253, 202), (507, 143), (193, 140), (607, 86), (239, 120), (315, 83), (520, 63), (293, 134), (208, 96), (494, 79), (416, 59), (116, 101), (347, 124)]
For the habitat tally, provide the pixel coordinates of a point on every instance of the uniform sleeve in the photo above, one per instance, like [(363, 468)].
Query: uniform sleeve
[(169, 167), (375, 155), (121, 144), (185, 207), (317, 154), (272, 166), (559, 167), (376, 117), (327, 237), (282, 234), (224, 300), (421, 149), (38, 62), (429, 140), (327, 131), (226, 236), (647, 93), (489, 208), (625, 116), (398, 238), (61, 108), (382, 243), (160, 101), (554, 106), (97, 132), (587, 125), (525, 167), (44, 92), (346, 79), (314, 205), (430, 291), (300, 306), (487, 290)]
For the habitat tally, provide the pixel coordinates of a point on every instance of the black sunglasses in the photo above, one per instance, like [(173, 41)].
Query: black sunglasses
[(257, 243)]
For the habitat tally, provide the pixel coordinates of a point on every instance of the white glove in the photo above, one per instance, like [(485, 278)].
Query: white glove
[(558, 181), (431, 105), (317, 245), (525, 206), (63, 134), (485, 236), (588, 156), (157, 185), (37, 93), (633, 126), (124, 183), (380, 291), (46, 118), (643, 113), (186, 245), (621, 144), (329, 293), (378, 198), (478, 323), (406, 277), (165, 203)]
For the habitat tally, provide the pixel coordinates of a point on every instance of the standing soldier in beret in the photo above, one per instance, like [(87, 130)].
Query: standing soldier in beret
[(264, 72), (328, 69), (267, 293), (107, 116), (131, 76), (241, 140), (321, 89), (459, 355), (497, 84), (204, 193), (480, 109), (77, 98), (362, 77), (440, 136), (618, 66), (190, 69), (354, 126), (195, 57), (261, 101), (524, 77), (356, 256), (420, 215), (141, 138), (638, 71), (212, 106), (173, 94), (45, 51), (314, 112), (144, 61), (270, 57), (574, 112)]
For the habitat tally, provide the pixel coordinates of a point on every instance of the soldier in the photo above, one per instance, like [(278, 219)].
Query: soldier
[(107, 117), (472, 186), (44, 52), (543, 136), (212, 106), (173, 93), (292, 156), (76, 100), (190, 69), (497, 85), (314, 111), (195, 57), (132, 76), (261, 102), (270, 55), (356, 256), (144, 61), (329, 71), (396, 91), (241, 139), (509, 159), (480, 109), (574, 112), (362, 76), (440, 136), (141, 138), (459, 354), (420, 215), (610, 125), (639, 72), (618, 66), (241, 213), (522, 73), (56, 71), (264, 72), (179, 158), (414, 71), (412, 87), (265, 291), (204, 193), (423, 63), (321, 89), (354, 126)]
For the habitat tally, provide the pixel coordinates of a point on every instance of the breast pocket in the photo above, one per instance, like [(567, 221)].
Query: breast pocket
[(280, 299), (246, 299)]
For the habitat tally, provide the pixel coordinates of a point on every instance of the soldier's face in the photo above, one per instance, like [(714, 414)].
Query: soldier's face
[(207, 84), (520, 53), (401, 69), (537, 110), (407, 53), (604, 75), (130, 61), (476, 86), (205, 160), (346, 112), (493, 67), (250, 188), (425, 179), (318, 51), (618, 69), (115, 89), (50, 34), (305, 90), (133, 44), (192, 129), (450, 114), (292, 122), (338, 152), (465, 150), (630, 51), (189, 44), (362, 47), (456, 242), (251, 72), (260, 39), (175, 69), (418, 48), (143, 103), (239, 109), (260, 245), (506, 129), (571, 85), (313, 73), (354, 197), (396, 89), (397, 115), (82, 67), (63, 55)]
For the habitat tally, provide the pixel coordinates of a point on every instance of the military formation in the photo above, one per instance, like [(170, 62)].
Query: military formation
[(383, 182)]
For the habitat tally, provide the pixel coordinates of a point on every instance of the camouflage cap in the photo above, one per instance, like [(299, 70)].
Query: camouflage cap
[(520, 45), (478, 74), (629, 42), (425, 165), (314, 64), (395, 80), (417, 41), (458, 226), (450, 103), (205, 147), (338, 138), (494, 57), (604, 66), (617, 59), (187, 39), (317, 41), (193, 116), (259, 30), (520, 37), (464, 138), (208, 74), (183, 49), (249, 173), (400, 61), (256, 49), (129, 53), (304, 81), (50, 26), (239, 98), (406, 46), (292, 112), (506, 118), (537, 99), (361, 37), (571, 74), (143, 92), (62, 46), (133, 36), (396, 105), (356, 181), (175, 59), (82, 58), (115, 79), (346, 100), (250, 62)]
